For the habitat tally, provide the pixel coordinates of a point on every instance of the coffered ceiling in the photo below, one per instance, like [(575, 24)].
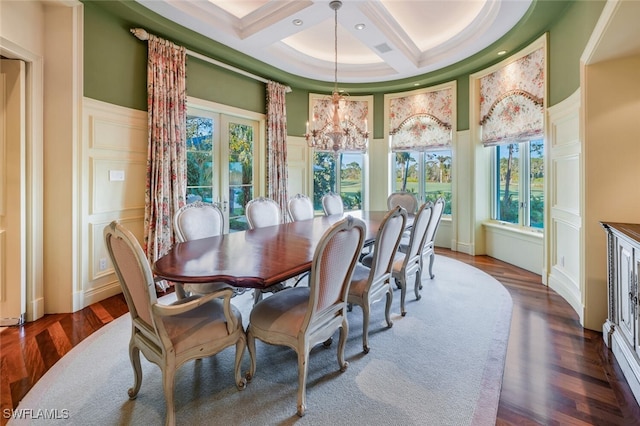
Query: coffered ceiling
[(399, 38)]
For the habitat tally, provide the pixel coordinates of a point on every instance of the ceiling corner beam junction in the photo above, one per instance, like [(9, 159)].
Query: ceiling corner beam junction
[(143, 35)]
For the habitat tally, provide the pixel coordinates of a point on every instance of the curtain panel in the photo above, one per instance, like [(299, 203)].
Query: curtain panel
[(277, 177), (512, 101), (166, 157), (421, 122)]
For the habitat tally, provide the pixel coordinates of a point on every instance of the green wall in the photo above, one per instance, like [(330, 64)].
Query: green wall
[(115, 61)]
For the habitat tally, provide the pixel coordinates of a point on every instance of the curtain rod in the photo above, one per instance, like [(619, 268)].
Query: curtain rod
[(143, 35)]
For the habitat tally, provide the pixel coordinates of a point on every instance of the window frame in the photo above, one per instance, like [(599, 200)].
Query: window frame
[(524, 185)]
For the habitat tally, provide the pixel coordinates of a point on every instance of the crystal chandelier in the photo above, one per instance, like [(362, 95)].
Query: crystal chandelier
[(339, 132)]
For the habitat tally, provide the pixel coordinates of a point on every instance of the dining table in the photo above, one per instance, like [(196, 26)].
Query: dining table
[(256, 258)]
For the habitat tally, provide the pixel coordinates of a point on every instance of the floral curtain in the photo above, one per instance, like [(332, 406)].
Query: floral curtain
[(277, 178), (512, 101), (422, 121), (166, 156)]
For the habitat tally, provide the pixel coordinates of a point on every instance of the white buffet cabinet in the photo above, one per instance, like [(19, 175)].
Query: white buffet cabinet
[(620, 330)]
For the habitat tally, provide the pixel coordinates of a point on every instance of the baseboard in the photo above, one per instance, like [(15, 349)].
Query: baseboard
[(37, 309), (466, 248), (96, 295), (565, 287), (631, 371)]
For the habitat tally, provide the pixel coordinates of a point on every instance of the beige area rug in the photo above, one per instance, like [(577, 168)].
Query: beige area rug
[(442, 364)]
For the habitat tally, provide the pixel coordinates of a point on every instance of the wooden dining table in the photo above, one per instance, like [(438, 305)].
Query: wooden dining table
[(256, 258)]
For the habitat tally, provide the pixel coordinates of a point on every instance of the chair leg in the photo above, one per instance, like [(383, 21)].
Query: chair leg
[(387, 309), (400, 283), (432, 257), (168, 376), (251, 346), (134, 356), (365, 326), (257, 295), (418, 284), (241, 382), (180, 293), (344, 332), (303, 361)]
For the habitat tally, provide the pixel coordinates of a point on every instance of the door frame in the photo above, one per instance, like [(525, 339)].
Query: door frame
[(259, 167), (34, 82)]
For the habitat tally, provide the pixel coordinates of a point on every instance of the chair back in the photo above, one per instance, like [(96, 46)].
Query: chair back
[(300, 208), (333, 263), (434, 222), (406, 200), (332, 204), (418, 232), (133, 271), (386, 243), (262, 212), (198, 220)]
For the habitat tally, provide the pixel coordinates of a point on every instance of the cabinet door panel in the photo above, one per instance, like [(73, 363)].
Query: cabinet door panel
[(625, 284)]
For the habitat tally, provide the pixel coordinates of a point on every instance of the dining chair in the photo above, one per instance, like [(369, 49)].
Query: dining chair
[(300, 208), (404, 199), (368, 285), (194, 221), (262, 212), (332, 204), (170, 335), (428, 249), (302, 317), (409, 262)]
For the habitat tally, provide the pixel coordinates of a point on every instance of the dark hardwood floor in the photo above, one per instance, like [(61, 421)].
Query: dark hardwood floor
[(556, 373)]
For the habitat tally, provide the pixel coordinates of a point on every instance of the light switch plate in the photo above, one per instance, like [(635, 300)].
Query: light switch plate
[(116, 175)]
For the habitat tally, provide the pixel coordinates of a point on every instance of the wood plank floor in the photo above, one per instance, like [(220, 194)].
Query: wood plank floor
[(557, 373)]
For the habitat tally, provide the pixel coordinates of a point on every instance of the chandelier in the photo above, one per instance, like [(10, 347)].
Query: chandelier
[(338, 132)]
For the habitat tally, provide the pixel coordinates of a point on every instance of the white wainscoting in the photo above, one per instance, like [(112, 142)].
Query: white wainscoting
[(564, 180), (114, 180), (515, 245)]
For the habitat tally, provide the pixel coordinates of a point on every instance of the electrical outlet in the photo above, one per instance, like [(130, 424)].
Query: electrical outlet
[(102, 264), (562, 261)]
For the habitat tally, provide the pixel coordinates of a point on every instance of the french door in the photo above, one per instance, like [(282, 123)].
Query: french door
[(221, 162)]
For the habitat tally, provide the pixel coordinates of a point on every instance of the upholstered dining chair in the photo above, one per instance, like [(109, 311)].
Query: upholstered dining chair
[(262, 212), (428, 249), (300, 208), (404, 199), (332, 204), (409, 262), (369, 285), (191, 222), (302, 317), (170, 335)]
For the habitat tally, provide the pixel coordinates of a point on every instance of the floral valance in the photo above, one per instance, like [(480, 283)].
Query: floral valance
[(351, 111), (512, 101), (422, 121)]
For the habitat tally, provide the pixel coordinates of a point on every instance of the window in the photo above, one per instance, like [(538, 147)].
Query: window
[(426, 174), (519, 183), (350, 185)]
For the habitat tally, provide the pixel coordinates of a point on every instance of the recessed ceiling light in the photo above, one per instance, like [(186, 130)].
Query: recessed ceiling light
[(297, 22), (360, 26), (502, 52)]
